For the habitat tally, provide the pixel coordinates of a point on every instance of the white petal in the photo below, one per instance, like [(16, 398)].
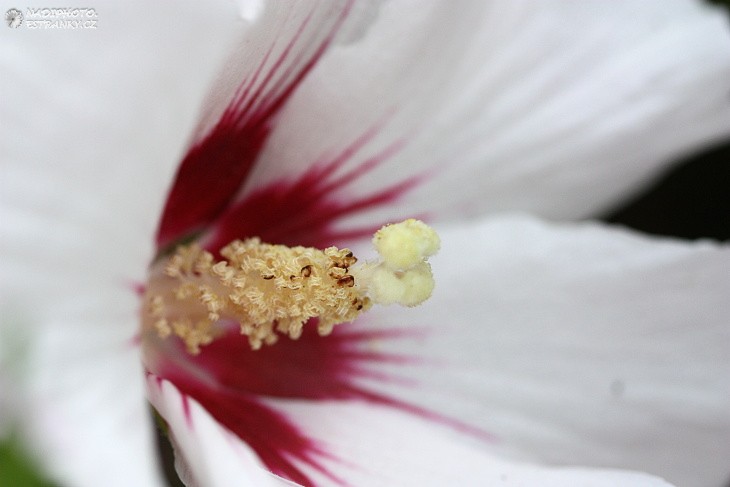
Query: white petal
[(93, 124), (376, 446), (575, 344), (271, 56), (553, 107), (207, 455)]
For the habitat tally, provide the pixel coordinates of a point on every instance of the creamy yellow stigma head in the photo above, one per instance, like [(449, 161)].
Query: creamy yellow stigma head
[(273, 289)]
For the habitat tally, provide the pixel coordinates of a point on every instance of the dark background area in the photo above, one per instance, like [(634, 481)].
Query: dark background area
[(690, 201)]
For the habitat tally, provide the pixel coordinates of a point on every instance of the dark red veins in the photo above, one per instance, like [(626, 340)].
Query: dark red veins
[(305, 211), (216, 167), (237, 379), (232, 383)]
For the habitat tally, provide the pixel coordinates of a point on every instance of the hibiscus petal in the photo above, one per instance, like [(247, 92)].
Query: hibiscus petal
[(371, 445), (231, 381), (93, 123), (271, 60), (572, 344), (207, 455), (362, 444), (553, 107)]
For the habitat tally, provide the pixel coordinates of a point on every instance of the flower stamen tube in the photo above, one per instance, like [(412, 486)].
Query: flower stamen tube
[(270, 290)]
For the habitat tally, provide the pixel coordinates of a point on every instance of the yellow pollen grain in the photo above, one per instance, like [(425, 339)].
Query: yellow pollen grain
[(270, 290)]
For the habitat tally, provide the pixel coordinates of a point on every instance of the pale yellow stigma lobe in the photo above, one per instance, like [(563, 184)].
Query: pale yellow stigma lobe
[(273, 289), (406, 244)]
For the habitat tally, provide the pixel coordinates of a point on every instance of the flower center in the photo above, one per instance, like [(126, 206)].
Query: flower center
[(274, 289)]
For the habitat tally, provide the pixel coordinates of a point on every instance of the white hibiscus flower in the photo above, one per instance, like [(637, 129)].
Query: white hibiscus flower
[(544, 343)]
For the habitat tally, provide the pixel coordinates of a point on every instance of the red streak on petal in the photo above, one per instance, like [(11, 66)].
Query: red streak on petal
[(216, 167), (236, 380), (231, 381), (304, 211), (311, 367), (276, 440), (186, 411)]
